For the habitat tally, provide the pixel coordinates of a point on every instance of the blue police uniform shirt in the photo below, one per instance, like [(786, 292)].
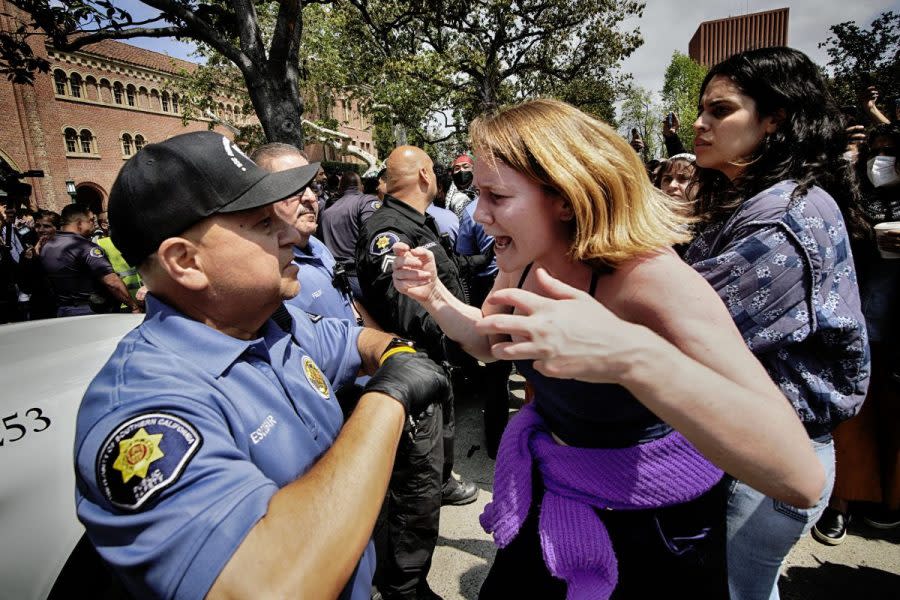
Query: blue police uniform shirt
[(446, 220), (318, 295), (473, 240), (186, 434)]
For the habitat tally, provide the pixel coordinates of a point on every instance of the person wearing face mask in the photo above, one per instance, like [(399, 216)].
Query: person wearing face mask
[(463, 192), (777, 207), (867, 447)]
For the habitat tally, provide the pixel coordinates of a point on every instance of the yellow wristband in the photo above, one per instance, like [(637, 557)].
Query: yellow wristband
[(393, 351)]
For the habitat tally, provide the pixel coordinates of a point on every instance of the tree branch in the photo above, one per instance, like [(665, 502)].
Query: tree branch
[(248, 30), (288, 28), (92, 37), (203, 31)]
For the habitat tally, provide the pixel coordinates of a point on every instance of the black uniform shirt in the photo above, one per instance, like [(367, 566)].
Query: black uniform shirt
[(74, 266), (340, 224), (395, 222)]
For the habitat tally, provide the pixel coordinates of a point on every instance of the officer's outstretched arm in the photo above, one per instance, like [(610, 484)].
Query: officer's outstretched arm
[(415, 276), (316, 528)]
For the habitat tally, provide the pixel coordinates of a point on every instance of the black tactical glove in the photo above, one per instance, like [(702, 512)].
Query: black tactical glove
[(412, 379)]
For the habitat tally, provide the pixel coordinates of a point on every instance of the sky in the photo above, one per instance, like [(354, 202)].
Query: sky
[(668, 26)]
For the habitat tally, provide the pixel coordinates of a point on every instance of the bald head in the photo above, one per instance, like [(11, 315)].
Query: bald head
[(409, 177), (266, 154)]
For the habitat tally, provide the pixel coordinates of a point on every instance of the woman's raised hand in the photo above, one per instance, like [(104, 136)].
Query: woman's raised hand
[(415, 272), (565, 331)]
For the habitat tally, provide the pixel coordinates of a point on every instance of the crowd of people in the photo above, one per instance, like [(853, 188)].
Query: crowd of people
[(708, 340)]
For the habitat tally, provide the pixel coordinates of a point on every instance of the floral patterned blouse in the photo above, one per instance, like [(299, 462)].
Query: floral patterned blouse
[(785, 271)]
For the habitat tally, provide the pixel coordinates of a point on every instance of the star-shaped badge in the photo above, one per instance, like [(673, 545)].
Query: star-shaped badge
[(137, 453)]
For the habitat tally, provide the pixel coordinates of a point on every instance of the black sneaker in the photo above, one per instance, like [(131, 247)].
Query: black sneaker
[(880, 517), (831, 528), (458, 492), (424, 592)]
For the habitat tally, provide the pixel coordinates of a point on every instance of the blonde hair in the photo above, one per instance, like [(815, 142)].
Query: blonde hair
[(618, 213)]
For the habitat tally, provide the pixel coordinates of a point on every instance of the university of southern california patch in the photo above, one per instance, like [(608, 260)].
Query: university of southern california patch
[(315, 377), (143, 456), (383, 242)]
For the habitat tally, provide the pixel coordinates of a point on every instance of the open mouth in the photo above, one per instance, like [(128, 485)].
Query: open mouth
[(501, 242)]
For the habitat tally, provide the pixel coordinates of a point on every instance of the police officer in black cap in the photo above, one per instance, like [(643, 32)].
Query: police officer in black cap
[(212, 459)]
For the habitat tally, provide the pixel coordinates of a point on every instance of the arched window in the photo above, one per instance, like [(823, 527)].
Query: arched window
[(127, 148), (105, 91), (154, 100), (91, 91), (129, 94), (143, 97), (138, 142), (75, 85), (175, 103), (59, 77), (118, 90), (71, 141), (87, 142), (165, 101)]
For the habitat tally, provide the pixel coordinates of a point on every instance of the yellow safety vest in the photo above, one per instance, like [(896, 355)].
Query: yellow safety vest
[(126, 272)]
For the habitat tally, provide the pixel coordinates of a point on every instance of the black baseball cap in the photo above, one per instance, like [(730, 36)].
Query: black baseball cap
[(167, 187)]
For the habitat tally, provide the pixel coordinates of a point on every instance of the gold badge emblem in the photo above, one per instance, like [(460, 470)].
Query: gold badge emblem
[(383, 242), (137, 453), (315, 377)]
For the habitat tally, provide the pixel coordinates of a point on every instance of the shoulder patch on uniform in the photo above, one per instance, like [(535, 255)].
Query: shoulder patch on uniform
[(315, 377), (383, 242), (144, 456), (97, 252), (314, 317), (376, 204)]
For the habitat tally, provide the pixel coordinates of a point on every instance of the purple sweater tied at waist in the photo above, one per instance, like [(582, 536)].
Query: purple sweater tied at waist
[(576, 545)]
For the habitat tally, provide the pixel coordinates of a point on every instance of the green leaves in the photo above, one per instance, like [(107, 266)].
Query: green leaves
[(465, 58), (681, 93), (859, 57)]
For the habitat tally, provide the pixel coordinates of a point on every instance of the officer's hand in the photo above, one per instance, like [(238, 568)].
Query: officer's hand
[(412, 379), (415, 272)]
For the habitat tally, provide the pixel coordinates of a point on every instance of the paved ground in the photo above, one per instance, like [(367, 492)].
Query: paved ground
[(866, 566)]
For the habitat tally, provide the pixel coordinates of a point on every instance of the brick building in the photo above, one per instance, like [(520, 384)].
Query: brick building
[(714, 41), (96, 108)]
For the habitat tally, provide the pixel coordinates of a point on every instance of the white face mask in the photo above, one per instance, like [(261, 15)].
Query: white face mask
[(882, 171)]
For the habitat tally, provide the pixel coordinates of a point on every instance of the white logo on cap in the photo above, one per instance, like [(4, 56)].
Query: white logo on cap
[(229, 150)]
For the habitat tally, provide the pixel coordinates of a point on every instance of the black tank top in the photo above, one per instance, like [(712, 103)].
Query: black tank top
[(590, 415)]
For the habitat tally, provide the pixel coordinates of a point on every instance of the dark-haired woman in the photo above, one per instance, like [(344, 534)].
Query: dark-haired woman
[(676, 179), (868, 447), (775, 199)]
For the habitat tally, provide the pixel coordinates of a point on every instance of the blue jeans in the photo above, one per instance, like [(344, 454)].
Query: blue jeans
[(761, 531), (74, 311)]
